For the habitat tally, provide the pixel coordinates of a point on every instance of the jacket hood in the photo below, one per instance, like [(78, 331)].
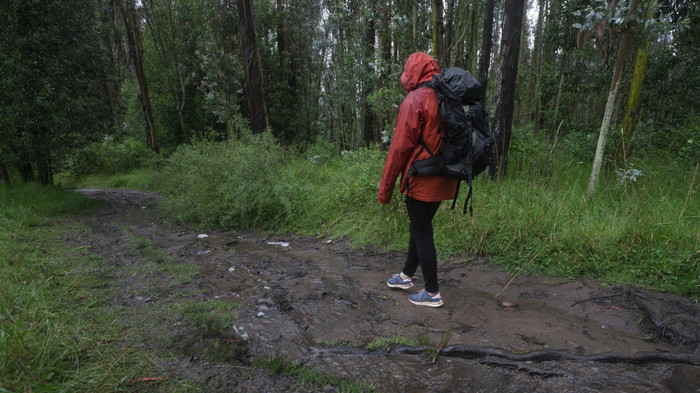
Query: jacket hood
[(419, 68)]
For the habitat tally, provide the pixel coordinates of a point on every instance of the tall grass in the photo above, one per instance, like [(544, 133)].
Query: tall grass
[(46, 343), (536, 220)]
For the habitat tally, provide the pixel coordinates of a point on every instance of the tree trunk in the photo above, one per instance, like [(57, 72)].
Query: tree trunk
[(437, 29), (609, 107), (253, 67), (4, 175), (133, 35), (533, 72), (557, 101), (168, 53), (503, 114), (632, 113), (368, 130), (284, 75), (473, 35), (485, 59), (451, 35)]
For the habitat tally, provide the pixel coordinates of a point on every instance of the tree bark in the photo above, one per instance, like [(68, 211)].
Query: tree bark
[(255, 92), (485, 59), (133, 35), (368, 124), (503, 114), (4, 175), (168, 53), (534, 69), (632, 112), (284, 75), (609, 107), (437, 29)]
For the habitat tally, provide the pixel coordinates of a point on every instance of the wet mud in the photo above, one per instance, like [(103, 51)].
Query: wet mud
[(325, 304)]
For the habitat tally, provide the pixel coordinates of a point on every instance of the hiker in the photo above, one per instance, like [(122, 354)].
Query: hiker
[(418, 123)]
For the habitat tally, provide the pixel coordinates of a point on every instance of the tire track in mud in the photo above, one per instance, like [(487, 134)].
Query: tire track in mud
[(321, 302)]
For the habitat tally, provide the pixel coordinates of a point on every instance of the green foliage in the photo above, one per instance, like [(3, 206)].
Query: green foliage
[(51, 98), (238, 183), (211, 317), (50, 339), (641, 229), (111, 156), (309, 377), (383, 342)]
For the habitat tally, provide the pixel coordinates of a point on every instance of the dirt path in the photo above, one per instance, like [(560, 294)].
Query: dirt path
[(322, 302)]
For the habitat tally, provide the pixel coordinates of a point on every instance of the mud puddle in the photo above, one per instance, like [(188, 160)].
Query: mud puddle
[(327, 305)]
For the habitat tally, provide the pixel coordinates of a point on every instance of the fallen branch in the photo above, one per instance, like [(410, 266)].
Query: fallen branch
[(516, 274), (598, 298)]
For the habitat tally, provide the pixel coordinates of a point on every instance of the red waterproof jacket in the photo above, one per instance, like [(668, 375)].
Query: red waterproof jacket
[(418, 119)]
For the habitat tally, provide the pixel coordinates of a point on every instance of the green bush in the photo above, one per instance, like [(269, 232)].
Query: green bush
[(640, 229), (111, 157), (238, 183)]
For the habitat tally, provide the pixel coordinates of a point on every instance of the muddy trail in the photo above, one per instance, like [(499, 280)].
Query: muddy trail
[(326, 305)]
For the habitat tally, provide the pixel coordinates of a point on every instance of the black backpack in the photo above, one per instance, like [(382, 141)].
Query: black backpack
[(468, 142)]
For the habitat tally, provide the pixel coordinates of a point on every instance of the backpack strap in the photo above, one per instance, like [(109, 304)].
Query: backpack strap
[(469, 200), (454, 201), (407, 183)]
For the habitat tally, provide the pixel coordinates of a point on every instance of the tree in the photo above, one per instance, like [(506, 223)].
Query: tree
[(437, 29), (485, 58), (531, 90), (169, 24), (133, 34), (283, 55), (633, 110), (503, 114), (607, 118), (51, 93), (253, 68)]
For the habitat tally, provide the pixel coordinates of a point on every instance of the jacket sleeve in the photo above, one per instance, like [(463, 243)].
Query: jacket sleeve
[(406, 135)]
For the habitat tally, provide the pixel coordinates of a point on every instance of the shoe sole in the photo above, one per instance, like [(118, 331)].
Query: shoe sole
[(400, 286), (429, 304)]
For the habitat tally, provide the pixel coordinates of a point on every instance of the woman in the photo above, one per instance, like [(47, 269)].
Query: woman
[(417, 125)]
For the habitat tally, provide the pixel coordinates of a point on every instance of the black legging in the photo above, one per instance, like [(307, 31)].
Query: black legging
[(421, 246)]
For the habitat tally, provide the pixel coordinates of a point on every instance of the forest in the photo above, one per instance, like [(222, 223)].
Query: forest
[(87, 86), (211, 129), (243, 114)]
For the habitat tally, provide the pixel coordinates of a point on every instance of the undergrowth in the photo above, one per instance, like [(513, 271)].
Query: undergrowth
[(49, 340), (640, 229)]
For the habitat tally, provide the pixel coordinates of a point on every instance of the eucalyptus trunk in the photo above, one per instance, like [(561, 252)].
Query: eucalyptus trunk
[(437, 29), (253, 67), (284, 74), (4, 175), (632, 112), (369, 132), (503, 114), (609, 108), (133, 35), (531, 92), (486, 43), (163, 30)]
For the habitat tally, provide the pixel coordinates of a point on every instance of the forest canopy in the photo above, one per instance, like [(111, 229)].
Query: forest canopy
[(83, 80)]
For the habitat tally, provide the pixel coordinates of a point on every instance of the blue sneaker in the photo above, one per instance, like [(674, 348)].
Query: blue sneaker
[(395, 281), (423, 299)]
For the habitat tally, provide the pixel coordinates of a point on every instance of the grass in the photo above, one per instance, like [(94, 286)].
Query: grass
[(642, 231), (383, 342), (60, 330), (308, 376), (50, 340)]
